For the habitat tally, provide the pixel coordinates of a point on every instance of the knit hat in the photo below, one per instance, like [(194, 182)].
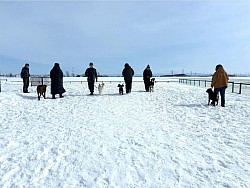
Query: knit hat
[(27, 64), (56, 65), (148, 66), (91, 63)]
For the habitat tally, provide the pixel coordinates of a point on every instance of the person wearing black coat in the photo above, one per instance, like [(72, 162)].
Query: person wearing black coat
[(92, 77), (147, 74), (56, 76), (128, 74), (25, 74)]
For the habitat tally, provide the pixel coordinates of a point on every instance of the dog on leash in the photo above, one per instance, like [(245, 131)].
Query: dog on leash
[(151, 85), (212, 96), (41, 91), (100, 88), (120, 88)]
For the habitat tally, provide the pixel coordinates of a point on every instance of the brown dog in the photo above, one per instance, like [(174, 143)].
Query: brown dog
[(41, 90)]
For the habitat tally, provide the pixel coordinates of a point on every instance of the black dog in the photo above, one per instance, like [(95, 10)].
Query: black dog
[(151, 85), (213, 96), (120, 88)]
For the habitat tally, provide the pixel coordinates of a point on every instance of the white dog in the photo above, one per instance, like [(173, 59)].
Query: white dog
[(100, 88)]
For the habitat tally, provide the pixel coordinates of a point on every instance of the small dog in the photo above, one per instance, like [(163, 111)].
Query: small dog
[(41, 91), (100, 88), (213, 96), (151, 85), (120, 88)]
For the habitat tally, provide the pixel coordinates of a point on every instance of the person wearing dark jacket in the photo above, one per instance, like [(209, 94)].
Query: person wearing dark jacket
[(147, 74), (25, 74), (128, 74), (92, 77), (56, 76), (220, 82)]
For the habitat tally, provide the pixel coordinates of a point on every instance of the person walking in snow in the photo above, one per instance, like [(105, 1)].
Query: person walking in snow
[(56, 76), (147, 74), (128, 74), (25, 75), (92, 77), (220, 82)]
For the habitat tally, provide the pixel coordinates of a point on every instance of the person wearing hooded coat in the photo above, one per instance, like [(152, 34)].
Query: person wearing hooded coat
[(56, 76), (147, 74), (220, 82), (25, 74), (128, 74)]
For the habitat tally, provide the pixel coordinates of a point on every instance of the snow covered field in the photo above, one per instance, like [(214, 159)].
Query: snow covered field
[(169, 138)]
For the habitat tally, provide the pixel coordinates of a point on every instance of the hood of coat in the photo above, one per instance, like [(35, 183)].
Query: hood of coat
[(127, 65)]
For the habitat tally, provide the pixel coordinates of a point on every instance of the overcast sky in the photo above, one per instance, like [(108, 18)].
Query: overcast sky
[(169, 35)]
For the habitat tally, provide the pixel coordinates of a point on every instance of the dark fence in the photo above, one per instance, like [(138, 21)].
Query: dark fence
[(35, 81), (118, 81), (234, 86)]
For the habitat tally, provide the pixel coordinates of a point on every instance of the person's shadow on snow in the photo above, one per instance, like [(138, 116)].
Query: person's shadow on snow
[(27, 96)]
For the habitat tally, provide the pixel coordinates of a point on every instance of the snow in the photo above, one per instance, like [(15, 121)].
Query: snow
[(168, 138)]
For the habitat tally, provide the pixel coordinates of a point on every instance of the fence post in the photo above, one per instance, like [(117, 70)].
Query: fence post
[(0, 85), (205, 83), (240, 88), (232, 87)]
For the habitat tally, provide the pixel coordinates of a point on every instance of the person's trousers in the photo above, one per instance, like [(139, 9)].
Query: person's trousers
[(128, 85), (25, 84), (91, 84), (222, 92), (146, 82)]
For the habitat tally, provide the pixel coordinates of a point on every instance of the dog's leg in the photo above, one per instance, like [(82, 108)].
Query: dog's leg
[(38, 94), (44, 95)]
